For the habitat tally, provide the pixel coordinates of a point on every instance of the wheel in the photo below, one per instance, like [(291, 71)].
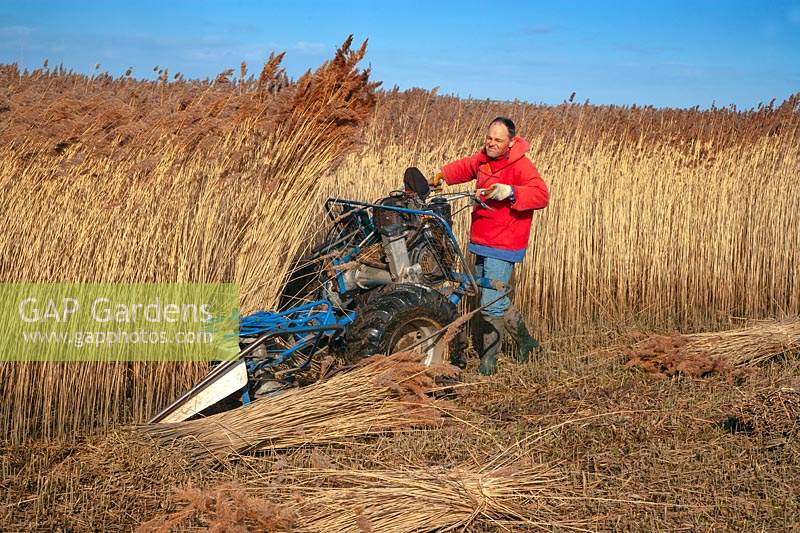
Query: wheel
[(404, 318)]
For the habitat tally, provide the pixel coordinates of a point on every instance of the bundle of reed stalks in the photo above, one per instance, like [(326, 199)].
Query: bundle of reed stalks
[(427, 499), (699, 354), (381, 394), (391, 500)]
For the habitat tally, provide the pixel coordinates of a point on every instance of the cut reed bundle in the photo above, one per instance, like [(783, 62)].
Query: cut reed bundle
[(749, 346), (426, 500), (380, 395), (702, 353), (384, 500)]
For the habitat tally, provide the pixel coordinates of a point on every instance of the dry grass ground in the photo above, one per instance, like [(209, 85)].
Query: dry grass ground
[(633, 453)]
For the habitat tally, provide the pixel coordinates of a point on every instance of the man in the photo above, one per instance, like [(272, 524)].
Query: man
[(512, 188)]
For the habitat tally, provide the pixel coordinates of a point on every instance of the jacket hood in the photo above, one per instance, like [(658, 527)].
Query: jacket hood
[(517, 151)]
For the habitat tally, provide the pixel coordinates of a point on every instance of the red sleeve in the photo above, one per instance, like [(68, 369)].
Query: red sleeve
[(531, 193), (461, 171)]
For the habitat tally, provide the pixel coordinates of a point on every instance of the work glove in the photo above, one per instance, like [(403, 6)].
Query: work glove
[(437, 181), (499, 192)]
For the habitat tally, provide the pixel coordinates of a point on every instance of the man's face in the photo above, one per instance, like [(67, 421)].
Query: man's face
[(498, 141)]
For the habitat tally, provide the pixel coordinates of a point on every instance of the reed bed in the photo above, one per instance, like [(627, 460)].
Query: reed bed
[(391, 500), (459, 121), (114, 180), (658, 218), (702, 353), (382, 394)]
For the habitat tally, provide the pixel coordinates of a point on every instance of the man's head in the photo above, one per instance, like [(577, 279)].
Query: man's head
[(499, 137)]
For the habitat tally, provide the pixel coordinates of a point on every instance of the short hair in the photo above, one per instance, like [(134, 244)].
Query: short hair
[(508, 123)]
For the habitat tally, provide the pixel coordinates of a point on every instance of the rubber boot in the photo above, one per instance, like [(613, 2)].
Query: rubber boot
[(516, 327), (492, 340)]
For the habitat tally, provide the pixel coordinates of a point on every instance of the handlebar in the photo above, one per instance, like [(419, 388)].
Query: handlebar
[(450, 197)]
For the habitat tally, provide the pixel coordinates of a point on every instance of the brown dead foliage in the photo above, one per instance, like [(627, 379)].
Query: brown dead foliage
[(665, 356), (93, 484), (732, 352), (226, 508), (636, 454), (113, 116)]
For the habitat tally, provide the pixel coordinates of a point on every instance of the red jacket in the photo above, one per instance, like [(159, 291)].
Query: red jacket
[(509, 226)]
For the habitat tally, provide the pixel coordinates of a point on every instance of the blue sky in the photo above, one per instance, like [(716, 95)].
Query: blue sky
[(665, 53)]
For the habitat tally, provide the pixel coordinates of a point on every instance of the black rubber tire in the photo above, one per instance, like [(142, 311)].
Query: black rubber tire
[(380, 322)]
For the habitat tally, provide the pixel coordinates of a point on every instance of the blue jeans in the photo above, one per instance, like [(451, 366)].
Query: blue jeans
[(493, 269)]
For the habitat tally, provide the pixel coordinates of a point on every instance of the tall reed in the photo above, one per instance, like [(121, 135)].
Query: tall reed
[(167, 203), (658, 218)]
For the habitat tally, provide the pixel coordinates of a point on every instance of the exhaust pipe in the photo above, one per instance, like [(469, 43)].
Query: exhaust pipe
[(394, 246), (366, 277)]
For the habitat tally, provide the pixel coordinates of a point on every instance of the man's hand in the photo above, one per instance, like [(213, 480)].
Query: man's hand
[(499, 192), (437, 181)]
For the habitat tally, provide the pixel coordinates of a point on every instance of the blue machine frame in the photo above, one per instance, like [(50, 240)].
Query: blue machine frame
[(300, 330), (305, 326)]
